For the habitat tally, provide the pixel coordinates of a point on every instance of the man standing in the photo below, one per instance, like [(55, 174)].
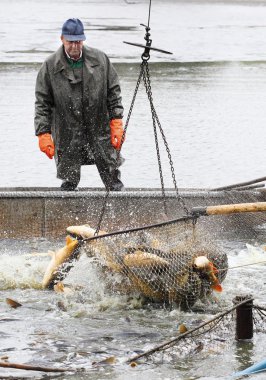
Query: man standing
[(78, 110)]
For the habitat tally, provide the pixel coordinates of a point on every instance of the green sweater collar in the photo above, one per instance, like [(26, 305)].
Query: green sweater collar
[(74, 64)]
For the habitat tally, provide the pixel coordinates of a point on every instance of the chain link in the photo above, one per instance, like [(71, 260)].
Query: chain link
[(146, 78), (147, 84), (145, 75), (118, 151)]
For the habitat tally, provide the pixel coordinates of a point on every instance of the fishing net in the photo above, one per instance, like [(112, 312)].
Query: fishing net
[(238, 226), (213, 336), (168, 262), (259, 318), (158, 261)]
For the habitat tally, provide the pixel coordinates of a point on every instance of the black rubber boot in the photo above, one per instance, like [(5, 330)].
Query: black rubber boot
[(117, 186), (68, 186), (112, 180)]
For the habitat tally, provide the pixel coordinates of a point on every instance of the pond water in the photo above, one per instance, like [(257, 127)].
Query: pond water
[(209, 95), (87, 324), (210, 98)]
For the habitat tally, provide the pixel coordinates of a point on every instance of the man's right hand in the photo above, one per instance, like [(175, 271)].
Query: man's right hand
[(46, 144)]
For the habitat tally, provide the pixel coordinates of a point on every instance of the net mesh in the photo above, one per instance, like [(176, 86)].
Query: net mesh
[(211, 337), (259, 319), (215, 337), (158, 261), (248, 225)]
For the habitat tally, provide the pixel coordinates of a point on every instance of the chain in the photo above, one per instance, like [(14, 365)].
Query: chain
[(147, 83), (146, 78), (118, 151), (145, 74)]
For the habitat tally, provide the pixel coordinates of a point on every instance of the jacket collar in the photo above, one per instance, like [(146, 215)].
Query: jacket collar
[(88, 55)]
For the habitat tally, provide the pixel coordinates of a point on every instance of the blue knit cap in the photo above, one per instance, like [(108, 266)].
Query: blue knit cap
[(73, 30)]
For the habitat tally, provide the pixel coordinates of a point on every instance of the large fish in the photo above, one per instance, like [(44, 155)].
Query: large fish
[(183, 274), (84, 231), (141, 259), (59, 258), (59, 264), (95, 248), (203, 264)]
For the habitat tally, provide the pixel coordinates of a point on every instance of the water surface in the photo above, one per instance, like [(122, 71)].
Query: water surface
[(210, 98), (209, 95)]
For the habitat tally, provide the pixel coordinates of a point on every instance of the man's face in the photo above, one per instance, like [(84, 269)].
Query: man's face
[(73, 48)]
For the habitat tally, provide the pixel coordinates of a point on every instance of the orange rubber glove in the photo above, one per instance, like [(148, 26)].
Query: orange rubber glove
[(117, 131), (46, 144)]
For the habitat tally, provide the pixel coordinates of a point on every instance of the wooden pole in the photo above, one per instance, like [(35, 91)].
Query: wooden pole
[(33, 368), (244, 318), (229, 209)]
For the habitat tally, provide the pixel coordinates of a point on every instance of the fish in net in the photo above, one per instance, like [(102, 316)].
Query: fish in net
[(171, 262), (168, 262)]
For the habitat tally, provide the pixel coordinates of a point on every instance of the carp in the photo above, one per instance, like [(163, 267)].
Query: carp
[(59, 258), (203, 264), (84, 231), (182, 275), (142, 259)]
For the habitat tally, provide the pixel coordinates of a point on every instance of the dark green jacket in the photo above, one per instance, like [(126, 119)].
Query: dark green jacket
[(78, 112)]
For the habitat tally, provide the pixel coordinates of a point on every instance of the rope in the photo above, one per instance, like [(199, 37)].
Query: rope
[(261, 308), (241, 266), (240, 184), (188, 333), (149, 14), (183, 219)]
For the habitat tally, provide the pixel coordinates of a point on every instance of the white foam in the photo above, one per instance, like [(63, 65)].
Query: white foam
[(22, 270)]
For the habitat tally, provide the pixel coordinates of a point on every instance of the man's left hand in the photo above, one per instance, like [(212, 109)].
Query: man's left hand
[(116, 126)]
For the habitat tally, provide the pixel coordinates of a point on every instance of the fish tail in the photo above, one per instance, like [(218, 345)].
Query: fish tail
[(215, 284), (217, 287), (69, 239)]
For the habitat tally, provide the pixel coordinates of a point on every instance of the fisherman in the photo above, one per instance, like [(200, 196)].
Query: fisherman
[(78, 110)]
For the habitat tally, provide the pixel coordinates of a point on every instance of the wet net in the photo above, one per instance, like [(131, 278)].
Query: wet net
[(161, 261), (213, 336), (167, 262)]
